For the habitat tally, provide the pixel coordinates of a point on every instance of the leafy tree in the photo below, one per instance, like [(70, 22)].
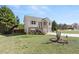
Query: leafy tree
[(64, 26), (21, 26), (18, 20), (54, 26), (7, 19), (60, 26)]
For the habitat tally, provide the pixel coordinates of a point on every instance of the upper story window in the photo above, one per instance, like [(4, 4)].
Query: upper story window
[(33, 22), (45, 23), (49, 23)]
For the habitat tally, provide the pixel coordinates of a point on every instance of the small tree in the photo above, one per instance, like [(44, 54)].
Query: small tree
[(58, 35), (21, 26), (54, 26), (60, 26), (64, 26), (18, 20)]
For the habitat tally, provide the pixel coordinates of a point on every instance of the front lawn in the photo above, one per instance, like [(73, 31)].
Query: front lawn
[(36, 44)]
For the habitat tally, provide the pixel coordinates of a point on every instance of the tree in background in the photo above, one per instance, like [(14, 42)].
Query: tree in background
[(7, 19), (18, 20), (62, 26), (54, 26), (21, 26)]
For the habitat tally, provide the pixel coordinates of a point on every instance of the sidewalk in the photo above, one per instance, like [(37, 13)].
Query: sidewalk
[(64, 34)]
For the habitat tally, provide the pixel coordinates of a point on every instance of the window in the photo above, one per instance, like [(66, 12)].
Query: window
[(45, 23), (33, 22), (49, 23), (40, 24)]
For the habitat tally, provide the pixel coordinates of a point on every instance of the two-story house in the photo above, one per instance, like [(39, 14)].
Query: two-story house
[(33, 23)]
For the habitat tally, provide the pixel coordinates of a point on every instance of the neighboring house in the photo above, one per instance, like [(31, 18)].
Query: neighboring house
[(75, 25), (36, 23), (70, 27)]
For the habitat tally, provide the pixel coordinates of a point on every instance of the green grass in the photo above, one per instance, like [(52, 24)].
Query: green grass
[(34, 44), (70, 32)]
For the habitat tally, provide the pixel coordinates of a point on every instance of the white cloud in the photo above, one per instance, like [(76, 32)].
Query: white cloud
[(16, 6), (34, 7), (39, 7), (42, 10), (45, 7)]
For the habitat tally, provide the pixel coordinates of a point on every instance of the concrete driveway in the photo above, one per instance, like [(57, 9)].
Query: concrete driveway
[(64, 34)]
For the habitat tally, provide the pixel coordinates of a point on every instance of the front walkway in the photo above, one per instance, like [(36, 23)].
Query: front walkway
[(64, 34)]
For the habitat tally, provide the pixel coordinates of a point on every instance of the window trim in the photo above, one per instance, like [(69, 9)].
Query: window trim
[(33, 22)]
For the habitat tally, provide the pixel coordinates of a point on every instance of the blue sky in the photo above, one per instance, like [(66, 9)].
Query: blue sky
[(60, 13)]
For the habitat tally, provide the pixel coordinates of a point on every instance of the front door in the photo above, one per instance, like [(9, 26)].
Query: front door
[(40, 24)]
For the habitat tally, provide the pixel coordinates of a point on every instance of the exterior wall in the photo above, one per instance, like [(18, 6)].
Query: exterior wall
[(49, 27), (27, 24)]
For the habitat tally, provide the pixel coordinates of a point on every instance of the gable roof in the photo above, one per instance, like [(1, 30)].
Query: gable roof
[(39, 18)]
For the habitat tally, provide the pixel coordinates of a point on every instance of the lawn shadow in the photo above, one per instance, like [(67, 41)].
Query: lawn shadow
[(54, 40), (13, 34), (49, 42)]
